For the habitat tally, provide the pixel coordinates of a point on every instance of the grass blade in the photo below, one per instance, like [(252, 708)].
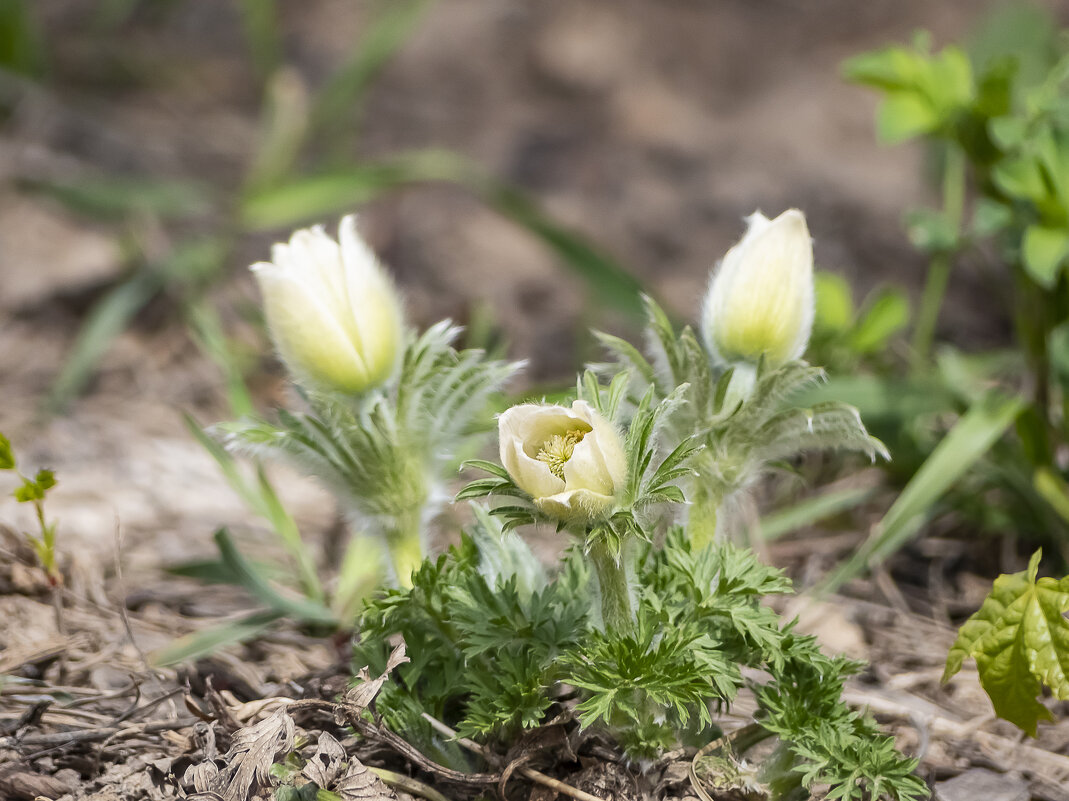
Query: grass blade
[(106, 321), (974, 433), (208, 641), (811, 510)]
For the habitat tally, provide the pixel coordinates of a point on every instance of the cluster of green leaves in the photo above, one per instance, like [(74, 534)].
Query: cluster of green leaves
[(494, 653), (33, 491), (1020, 640), (741, 431), (846, 335), (975, 436)]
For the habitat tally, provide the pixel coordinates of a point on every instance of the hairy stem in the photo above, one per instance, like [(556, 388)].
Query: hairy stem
[(705, 502), (405, 544), (614, 588)]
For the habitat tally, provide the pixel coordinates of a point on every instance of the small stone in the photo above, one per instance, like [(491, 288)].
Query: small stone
[(982, 783)]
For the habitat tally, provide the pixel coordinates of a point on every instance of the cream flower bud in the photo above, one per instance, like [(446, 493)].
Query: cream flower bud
[(571, 461), (332, 311), (760, 300)]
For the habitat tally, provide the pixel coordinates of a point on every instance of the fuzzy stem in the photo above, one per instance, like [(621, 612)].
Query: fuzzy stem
[(705, 503), (614, 589), (405, 545)]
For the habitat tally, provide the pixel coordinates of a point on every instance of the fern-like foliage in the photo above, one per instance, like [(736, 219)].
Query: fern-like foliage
[(492, 653)]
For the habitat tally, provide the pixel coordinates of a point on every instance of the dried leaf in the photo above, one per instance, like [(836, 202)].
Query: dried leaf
[(364, 693), (328, 762), (200, 777), (360, 784), (252, 752)]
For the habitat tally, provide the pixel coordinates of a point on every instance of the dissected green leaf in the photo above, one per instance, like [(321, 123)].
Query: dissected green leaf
[(1020, 640)]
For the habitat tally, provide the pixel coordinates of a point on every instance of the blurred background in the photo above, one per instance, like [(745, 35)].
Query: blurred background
[(523, 168)]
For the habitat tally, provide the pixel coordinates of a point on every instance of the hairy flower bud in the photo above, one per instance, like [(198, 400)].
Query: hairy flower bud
[(760, 300), (571, 461), (332, 311)]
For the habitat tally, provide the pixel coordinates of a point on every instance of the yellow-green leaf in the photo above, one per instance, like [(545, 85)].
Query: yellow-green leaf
[(1020, 640)]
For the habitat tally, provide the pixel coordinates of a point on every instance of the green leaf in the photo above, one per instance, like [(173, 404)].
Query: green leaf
[(45, 479), (21, 49), (258, 586), (904, 115), (1020, 639), (812, 510), (209, 640), (108, 318), (885, 316), (118, 196), (259, 20), (344, 93), (834, 303), (1044, 250), (28, 492), (974, 433), (7, 455)]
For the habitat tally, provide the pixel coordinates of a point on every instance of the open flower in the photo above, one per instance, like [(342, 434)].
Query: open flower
[(571, 461), (332, 310), (760, 301)]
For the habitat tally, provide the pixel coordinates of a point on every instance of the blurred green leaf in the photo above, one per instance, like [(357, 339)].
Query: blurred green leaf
[(1044, 251), (990, 217), (834, 303), (807, 512), (885, 399), (209, 640), (7, 455), (974, 433), (904, 115), (258, 586), (116, 197), (885, 316), (21, 48), (261, 497), (208, 330), (29, 491), (1022, 32), (259, 21), (283, 128), (108, 318), (45, 479), (344, 93), (931, 230), (1053, 489)]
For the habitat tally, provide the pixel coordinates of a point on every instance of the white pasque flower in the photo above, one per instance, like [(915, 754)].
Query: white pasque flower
[(332, 310), (571, 461), (760, 300)]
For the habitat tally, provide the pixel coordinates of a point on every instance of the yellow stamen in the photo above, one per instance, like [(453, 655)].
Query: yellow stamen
[(557, 450)]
